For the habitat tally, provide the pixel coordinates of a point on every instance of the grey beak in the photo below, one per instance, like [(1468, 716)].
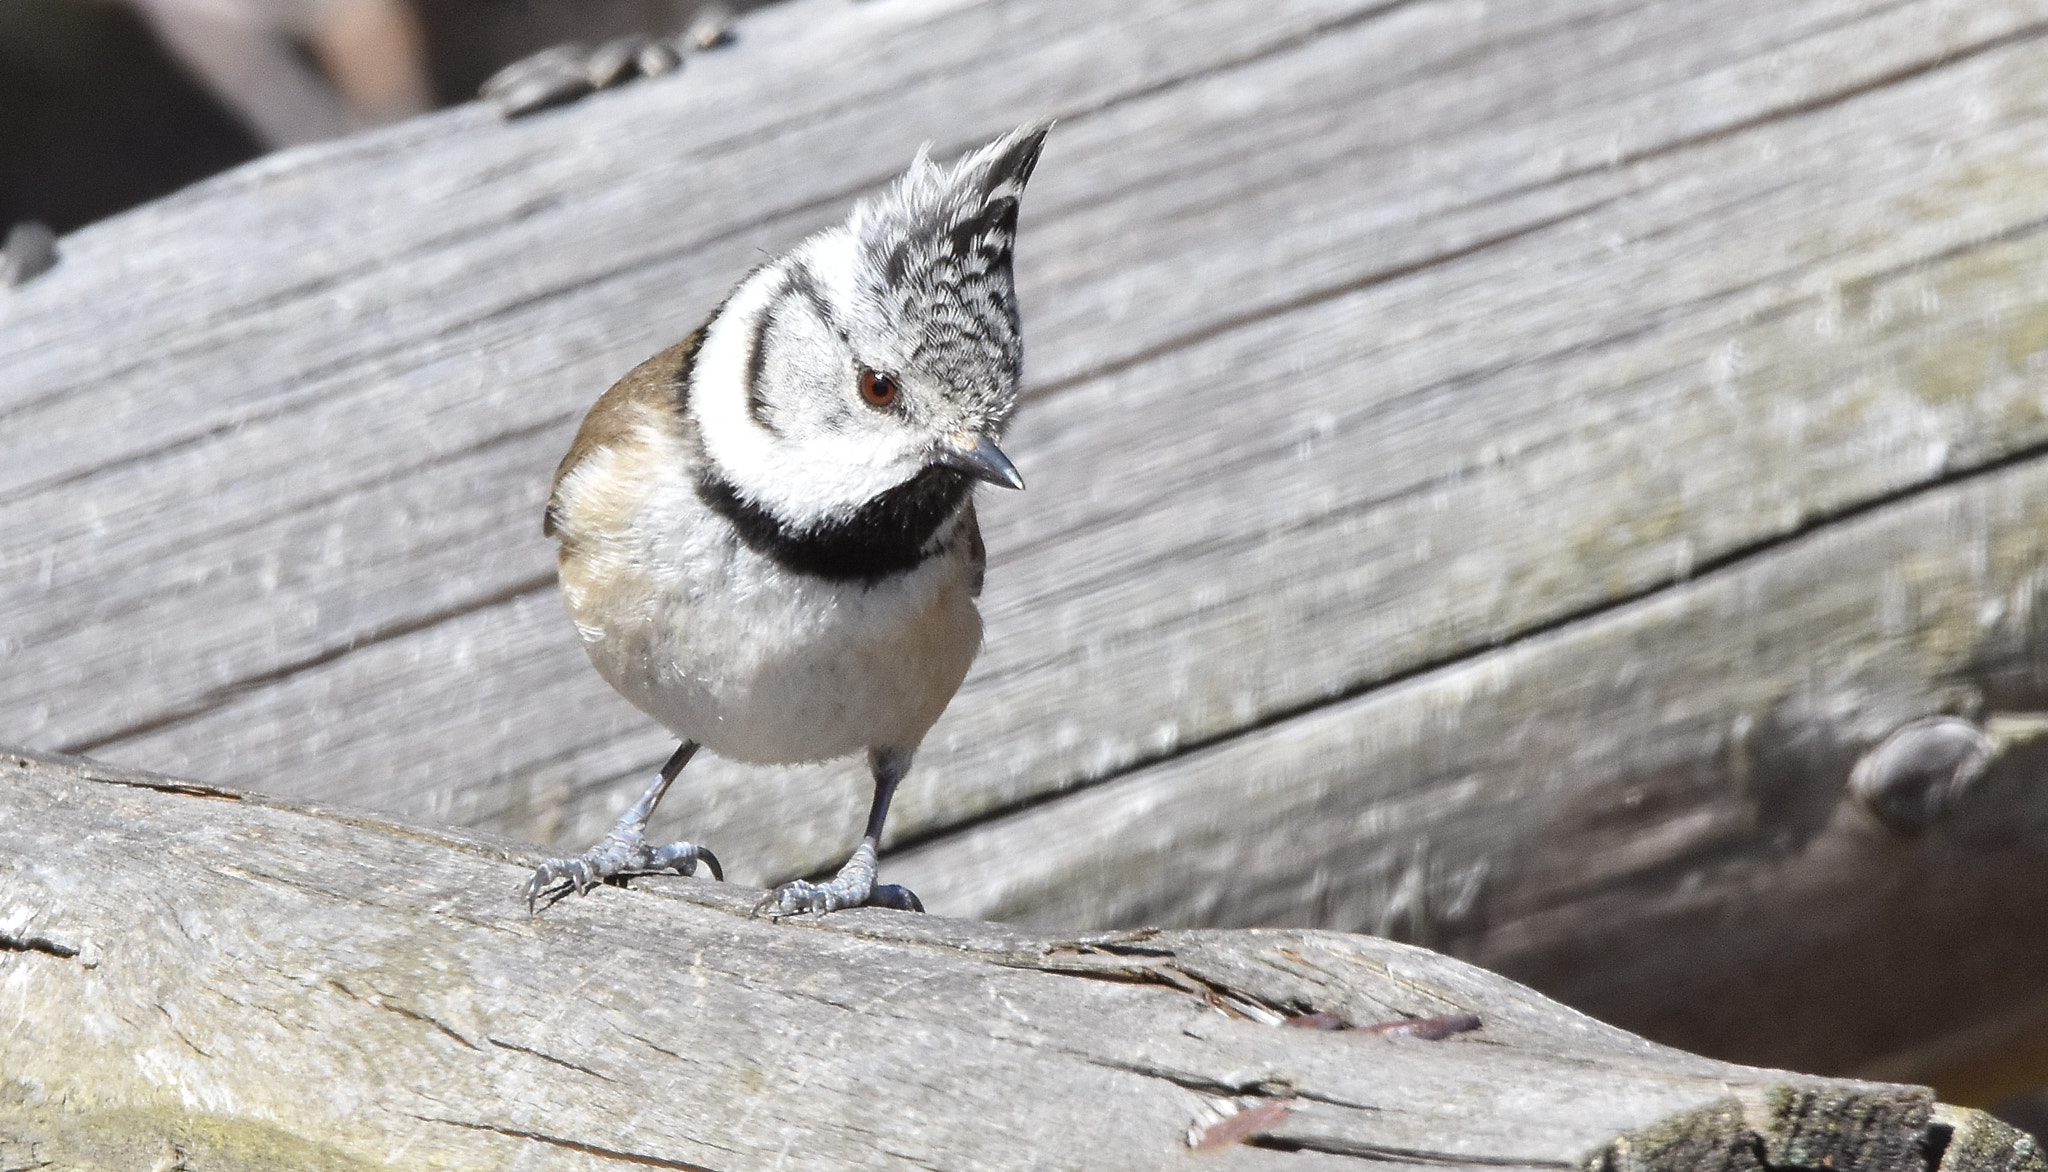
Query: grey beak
[(979, 457)]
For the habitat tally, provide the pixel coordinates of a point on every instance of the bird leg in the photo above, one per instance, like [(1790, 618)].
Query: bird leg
[(854, 885), (624, 851)]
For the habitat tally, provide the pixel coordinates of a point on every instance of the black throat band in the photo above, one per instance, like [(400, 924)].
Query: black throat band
[(888, 535)]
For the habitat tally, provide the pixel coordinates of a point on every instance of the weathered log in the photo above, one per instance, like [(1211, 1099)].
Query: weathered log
[(1495, 470), (250, 983), (1647, 814)]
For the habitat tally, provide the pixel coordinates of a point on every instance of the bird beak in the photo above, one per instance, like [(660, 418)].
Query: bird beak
[(979, 457)]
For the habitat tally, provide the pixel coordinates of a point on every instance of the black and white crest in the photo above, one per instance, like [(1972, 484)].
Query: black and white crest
[(937, 248)]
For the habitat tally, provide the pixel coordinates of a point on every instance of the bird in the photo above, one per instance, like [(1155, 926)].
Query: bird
[(767, 536)]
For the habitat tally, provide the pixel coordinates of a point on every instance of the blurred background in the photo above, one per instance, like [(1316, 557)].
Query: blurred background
[(107, 103), (1541, 312)]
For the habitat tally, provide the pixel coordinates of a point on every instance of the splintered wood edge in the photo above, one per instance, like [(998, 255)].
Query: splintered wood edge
[(1766, 1119)]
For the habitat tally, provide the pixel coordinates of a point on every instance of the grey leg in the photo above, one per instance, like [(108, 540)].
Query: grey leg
[(624, 851), (854, 886)]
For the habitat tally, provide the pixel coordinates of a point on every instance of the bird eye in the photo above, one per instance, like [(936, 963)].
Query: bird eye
[(878, 389)]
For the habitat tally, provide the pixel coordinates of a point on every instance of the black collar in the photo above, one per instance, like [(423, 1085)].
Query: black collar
[(888, 535)]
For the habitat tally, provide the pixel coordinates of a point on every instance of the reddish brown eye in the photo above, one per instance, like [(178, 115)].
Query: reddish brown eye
[(878, 389)]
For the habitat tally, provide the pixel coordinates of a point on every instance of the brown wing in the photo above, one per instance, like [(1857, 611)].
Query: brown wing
[(659, 384)]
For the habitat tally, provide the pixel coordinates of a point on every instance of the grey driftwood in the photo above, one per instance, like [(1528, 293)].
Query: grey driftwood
[(192, 974), (1495, 470)]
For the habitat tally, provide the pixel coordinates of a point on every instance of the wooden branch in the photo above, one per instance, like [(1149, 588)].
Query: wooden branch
[(1496, 469), (1643, 814), (256, 984)]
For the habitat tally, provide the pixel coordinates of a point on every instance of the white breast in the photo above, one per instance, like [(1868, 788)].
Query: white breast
[(754, 661)]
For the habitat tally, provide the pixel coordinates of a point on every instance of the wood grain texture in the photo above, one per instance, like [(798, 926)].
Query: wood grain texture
[(1364, 339), (254, 985), (1641, 812)]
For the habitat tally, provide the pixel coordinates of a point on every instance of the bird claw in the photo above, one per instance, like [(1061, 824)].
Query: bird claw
[(854, 886), (799, 897), (895, 895), (619, 855)]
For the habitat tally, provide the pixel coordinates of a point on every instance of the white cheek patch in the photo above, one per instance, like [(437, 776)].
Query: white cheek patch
[(803, 374), (802, 469)]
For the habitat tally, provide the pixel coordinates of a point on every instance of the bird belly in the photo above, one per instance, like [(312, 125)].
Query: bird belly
[(761, 665)]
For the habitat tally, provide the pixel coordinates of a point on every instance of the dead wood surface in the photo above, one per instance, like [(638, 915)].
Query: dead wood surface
[(255, 984), (1495, 468)]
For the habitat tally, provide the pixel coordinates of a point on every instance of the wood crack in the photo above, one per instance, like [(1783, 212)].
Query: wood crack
[(1384, 1153), (515, 1047), (1263, 1088), (378, 1002), (42, 944), (216, 698), (642, 1159), (172, 1024)]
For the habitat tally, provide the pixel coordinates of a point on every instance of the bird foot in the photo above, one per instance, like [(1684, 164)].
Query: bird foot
[(854, 886), (623, 852)]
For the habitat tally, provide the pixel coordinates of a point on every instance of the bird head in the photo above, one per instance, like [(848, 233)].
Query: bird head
[(881, 350)]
